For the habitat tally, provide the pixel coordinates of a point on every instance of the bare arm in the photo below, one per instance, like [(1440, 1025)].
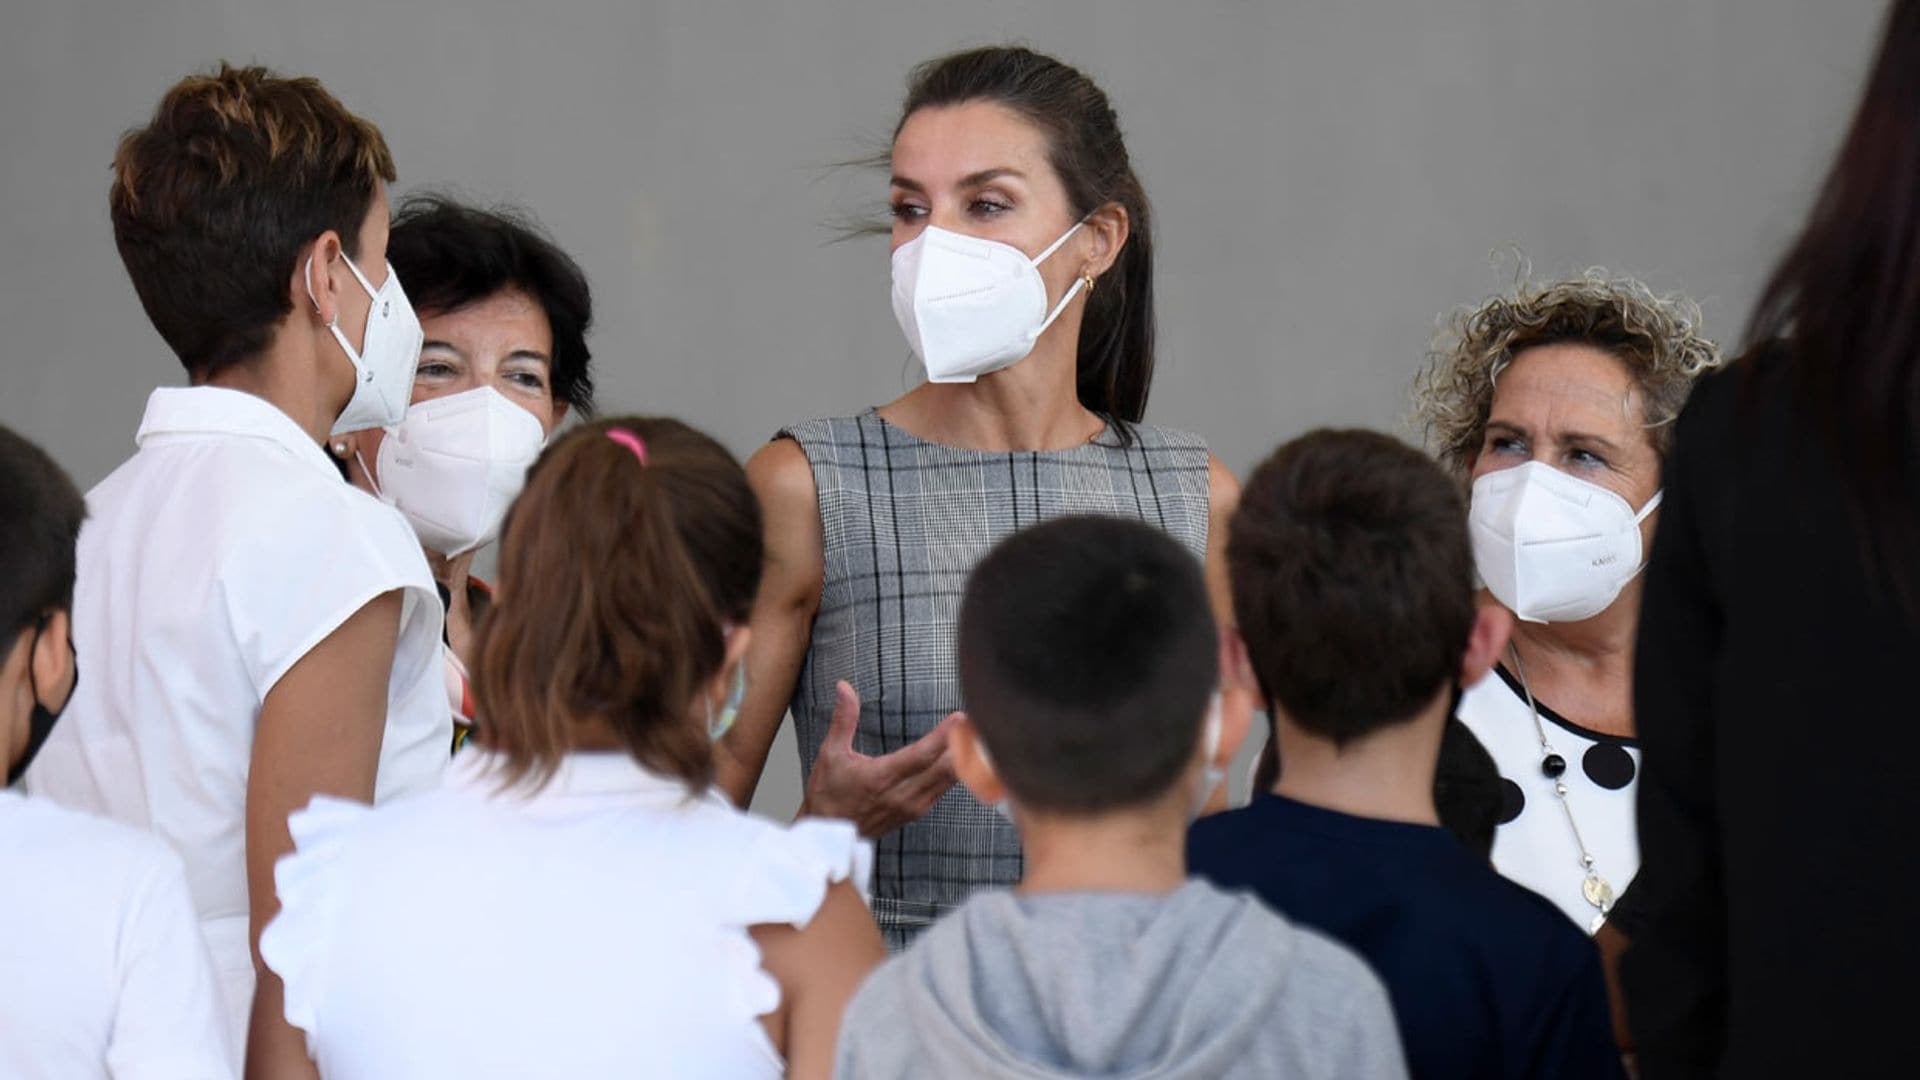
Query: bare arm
[(319, 733), (1223, 497), (782, 620), (819, 969)]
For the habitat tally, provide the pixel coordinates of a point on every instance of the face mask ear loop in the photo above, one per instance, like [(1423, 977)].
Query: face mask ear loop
[(1055, 246), (1078, 284), (1652, 505), (362, 278), (366, 472)]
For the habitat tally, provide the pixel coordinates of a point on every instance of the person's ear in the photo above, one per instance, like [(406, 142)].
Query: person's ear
[(313, 290), (737, 640), (52, 660), (559, 415), (1492, 625), (971, 763), (1106, 230), (1239, 695)]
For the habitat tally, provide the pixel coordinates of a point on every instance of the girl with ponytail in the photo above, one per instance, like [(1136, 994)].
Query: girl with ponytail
[(1022, 258), (579, 901)]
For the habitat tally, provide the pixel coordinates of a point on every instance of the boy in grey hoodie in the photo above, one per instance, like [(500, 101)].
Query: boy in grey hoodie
[(1088, 665)]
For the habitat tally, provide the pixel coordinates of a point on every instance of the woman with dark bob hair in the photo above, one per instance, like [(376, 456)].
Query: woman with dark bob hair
[(505, 313), (1022, 261)]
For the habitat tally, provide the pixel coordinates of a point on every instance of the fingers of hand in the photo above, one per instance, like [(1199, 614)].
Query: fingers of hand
[(846, 717)]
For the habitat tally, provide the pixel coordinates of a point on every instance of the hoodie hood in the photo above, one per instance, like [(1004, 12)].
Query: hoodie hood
[(1106, 984)]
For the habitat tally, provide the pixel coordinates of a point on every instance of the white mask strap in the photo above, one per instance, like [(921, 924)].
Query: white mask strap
[(1078, 284), (1055, 246), (366, 472), (364, 283), (1652, 505)]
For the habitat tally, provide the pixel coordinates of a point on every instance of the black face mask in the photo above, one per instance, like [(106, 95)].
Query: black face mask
[(40, 725)]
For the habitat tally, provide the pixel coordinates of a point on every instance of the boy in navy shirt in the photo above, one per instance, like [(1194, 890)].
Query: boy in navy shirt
[(1353, 590)]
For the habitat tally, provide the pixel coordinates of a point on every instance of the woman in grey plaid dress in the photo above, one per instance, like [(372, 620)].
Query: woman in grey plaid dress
[(1023, 278)]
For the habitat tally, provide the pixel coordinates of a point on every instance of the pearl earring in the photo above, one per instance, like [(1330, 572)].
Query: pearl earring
[(339, 449)]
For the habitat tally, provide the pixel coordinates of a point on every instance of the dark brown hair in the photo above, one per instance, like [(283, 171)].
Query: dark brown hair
[(1842, 308), (1352, 580), (1089, 156), (617, 580), (450, 255), (213, 200), (1087, 655), (40, 516)]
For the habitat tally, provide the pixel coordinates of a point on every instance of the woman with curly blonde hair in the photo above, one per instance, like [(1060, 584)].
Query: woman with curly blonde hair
[(1554, 405)]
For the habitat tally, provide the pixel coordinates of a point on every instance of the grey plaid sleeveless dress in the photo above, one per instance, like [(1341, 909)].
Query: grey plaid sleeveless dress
[(904, 521)]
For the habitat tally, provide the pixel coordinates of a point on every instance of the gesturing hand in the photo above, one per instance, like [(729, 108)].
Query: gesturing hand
[(877, 794)]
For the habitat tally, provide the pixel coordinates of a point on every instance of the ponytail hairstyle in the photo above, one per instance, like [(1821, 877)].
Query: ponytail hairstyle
[(634, 544), (1085, 148)]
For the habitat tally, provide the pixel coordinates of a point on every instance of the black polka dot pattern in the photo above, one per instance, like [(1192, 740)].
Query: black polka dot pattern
[(1609, 765), (1512, 800)]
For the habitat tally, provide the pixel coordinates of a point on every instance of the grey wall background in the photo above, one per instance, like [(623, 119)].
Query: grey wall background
[(1328, 178)]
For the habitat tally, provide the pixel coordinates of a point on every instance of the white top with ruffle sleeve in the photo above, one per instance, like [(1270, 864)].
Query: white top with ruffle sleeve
[(596, 927)]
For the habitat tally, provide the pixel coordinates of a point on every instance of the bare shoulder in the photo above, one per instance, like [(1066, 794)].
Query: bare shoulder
[(782, 477)]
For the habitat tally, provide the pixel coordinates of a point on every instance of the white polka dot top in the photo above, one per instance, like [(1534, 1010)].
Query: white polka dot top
[(1534, 845)]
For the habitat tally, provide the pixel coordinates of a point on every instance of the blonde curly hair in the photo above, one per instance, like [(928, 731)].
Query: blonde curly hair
[(1657, 337)]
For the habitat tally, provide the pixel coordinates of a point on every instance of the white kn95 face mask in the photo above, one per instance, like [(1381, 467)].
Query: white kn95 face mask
[(1553, 547), (970, 306), (453, 465)]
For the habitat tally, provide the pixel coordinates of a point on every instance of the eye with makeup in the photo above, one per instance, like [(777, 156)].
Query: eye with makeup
[(988, 206), (906, 211)]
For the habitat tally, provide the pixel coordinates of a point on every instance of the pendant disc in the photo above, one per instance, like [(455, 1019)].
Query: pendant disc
[(1597, 892)]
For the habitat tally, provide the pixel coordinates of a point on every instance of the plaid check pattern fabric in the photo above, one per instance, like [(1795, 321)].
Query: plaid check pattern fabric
[(904, 521)]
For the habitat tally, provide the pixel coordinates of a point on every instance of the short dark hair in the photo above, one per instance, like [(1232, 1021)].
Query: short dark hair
[(1352, 580), (40, 516), (449, 255), (1088, 654), (213, 200)]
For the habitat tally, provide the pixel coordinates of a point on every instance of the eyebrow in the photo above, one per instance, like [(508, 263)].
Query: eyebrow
[(984, 176), (517, 354)]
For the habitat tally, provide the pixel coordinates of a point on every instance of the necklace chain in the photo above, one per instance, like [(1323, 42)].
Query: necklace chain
[(1593, 887)]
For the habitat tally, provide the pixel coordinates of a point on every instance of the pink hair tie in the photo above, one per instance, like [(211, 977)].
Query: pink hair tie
[(629, 440)]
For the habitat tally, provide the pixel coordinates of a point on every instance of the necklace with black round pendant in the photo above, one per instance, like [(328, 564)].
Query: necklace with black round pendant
[(1593, 886)]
